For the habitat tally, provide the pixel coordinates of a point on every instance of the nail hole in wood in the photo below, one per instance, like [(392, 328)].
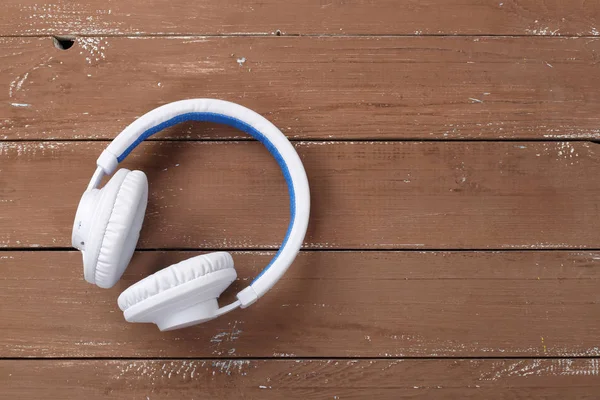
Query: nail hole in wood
[(277, 32), (63, 43)]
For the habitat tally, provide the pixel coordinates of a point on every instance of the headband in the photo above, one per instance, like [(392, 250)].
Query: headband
[(246, 120)]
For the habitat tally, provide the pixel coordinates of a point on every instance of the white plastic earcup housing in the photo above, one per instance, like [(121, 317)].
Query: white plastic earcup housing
[(181, 295), (107, 226)]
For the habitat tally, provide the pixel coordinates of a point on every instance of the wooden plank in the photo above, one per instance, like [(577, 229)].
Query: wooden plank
[(406, 17), (301, 379), (431, 195), (319, 88), (333, 304)]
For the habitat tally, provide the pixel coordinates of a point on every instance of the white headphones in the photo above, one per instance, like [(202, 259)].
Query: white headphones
[(108, 222)]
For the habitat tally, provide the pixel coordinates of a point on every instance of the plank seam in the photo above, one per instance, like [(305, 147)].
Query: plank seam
[(294, 35), (318, 250), (299, 358), (321, 140)]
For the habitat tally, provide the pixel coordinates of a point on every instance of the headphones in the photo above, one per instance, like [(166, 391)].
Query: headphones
[(108, 222)]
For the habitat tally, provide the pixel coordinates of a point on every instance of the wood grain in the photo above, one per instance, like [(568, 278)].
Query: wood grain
[(438, 269), (406, 17), (431, 195), (338, 304), (311, 88), (314, 379)]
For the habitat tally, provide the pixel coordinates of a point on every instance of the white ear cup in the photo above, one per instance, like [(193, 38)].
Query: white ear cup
[(123, 229), (111, 218), (181, 295)]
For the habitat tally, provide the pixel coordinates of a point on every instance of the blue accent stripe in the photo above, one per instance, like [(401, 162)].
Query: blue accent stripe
[(244, 127)]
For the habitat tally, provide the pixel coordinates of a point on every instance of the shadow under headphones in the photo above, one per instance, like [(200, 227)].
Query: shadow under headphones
[(108, 222)]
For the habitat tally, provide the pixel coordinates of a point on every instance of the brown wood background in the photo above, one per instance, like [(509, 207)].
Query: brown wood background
[(452, 250)]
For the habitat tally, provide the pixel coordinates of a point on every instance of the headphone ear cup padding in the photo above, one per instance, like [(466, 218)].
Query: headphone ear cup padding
[(174, 276), (122, 229)]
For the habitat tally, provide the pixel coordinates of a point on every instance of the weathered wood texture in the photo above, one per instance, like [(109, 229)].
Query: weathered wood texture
[(407, 17), (306, 379), (339, 304), (342, 88), (383, 195), (350, 323)]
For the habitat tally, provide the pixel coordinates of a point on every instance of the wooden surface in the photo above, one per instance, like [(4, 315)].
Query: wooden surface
[(450, 146), (496, 195), (339, 304), (302, 17), (312, 88), (322, 379)]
